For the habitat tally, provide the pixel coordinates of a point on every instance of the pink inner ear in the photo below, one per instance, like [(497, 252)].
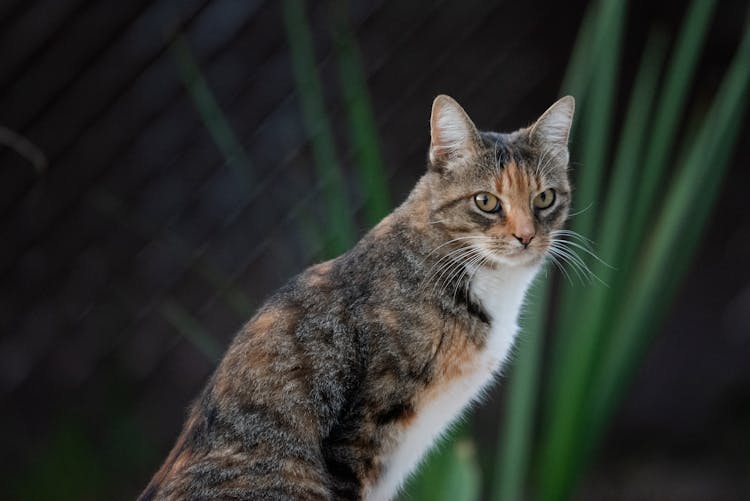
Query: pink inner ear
[(554, 125), (451, 132)]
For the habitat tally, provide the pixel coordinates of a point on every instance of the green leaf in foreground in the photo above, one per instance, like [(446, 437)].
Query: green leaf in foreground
[(670, 108), (516, 435), (597, 299), (677, 231), (452, 474), (576, 348)]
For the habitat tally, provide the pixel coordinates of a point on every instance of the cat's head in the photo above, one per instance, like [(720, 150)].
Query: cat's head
[(502, 196)]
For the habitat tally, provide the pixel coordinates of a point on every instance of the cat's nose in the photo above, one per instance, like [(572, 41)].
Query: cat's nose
[(525, 237)]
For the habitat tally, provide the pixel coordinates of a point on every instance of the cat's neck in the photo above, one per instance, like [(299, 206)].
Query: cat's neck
[(501, 290)]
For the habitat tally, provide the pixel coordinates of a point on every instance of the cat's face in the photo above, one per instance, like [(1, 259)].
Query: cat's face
[(499, 198)]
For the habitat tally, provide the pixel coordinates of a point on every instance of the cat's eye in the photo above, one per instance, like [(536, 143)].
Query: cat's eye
[(545, 199), (487, 202)]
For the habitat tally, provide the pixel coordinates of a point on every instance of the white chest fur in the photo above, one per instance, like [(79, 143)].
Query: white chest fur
[(501, 293)]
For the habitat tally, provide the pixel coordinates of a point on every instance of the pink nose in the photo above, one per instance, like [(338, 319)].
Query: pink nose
[(524, 237)]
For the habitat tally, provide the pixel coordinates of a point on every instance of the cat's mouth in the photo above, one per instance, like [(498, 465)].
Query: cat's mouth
[(525, 256), (518, 256)]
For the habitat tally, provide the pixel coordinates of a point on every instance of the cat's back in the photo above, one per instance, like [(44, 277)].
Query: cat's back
[(268, 423), (255, 432)]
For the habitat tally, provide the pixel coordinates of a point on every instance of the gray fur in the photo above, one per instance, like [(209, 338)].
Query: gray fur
[(309, 398)]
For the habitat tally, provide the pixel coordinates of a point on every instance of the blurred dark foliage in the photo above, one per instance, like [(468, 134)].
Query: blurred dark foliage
[(136, 237)]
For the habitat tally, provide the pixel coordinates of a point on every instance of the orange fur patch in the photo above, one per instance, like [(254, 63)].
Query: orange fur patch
[(515, 188), (319, 275), (253, 350), (178, 457), (382, 227), (458, 356)]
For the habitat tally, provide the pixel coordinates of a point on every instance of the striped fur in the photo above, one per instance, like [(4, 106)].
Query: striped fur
[(345, 376)]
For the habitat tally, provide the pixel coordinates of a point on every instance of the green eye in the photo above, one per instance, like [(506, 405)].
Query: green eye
[(545, 199), (487, 202)]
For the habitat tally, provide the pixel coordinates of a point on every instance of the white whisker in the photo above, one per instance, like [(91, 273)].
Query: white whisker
[(560, 267), (457, 270), (585, 244), (447, 261), (565, 258), (563, 249), (587, 251), (470, 237), (573, 234), (581, 211), (476, 269), (472, 264)]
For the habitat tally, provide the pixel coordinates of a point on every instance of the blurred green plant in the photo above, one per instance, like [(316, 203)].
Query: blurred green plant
[(368, 159), (109, 205), (340, 224), (452, 473), (648, 227), (600, 330), (205, 103)]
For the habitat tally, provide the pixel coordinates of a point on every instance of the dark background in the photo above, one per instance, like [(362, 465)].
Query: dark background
[(136, 234)]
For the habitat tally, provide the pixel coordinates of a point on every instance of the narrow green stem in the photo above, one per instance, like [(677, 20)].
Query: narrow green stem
[(368, 158), (339, 214), (210, 112)]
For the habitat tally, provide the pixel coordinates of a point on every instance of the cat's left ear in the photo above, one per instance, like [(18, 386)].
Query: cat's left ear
[(552, 129), (453, 134)]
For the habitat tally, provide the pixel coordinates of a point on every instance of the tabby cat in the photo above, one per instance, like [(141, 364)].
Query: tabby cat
[(347, 375)]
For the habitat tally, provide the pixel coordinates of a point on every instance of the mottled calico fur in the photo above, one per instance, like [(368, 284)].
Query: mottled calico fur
[(345, 377)]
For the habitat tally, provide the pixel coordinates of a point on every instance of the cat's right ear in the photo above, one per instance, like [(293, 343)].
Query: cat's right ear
[(453, 134), (553, 127)]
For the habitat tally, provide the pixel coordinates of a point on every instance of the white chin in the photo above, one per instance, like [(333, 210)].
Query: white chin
[(520, 258)]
